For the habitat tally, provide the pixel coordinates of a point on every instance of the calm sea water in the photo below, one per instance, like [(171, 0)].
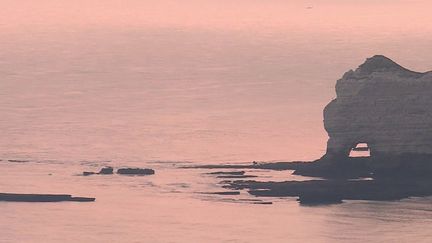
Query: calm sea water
[(161, 84)]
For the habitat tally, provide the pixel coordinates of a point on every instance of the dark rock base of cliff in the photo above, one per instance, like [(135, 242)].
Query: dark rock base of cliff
[(402, 166), (412, 166), (334, 191), (338, 179)]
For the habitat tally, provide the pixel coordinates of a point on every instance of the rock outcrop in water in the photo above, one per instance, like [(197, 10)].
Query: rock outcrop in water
[(18, 197), (135, 171), (122, 171), (383, 105), (108, 170)]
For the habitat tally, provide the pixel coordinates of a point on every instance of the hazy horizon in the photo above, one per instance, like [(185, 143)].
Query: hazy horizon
[(238, 81)]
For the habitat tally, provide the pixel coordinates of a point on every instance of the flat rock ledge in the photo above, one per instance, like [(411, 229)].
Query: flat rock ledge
[(17, 197), (135, 171)]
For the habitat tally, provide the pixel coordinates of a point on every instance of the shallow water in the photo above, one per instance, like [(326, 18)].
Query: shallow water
[(170, 207), (161, 84)]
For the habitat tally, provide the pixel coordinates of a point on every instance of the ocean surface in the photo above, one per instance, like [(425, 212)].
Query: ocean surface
[(164, 84)]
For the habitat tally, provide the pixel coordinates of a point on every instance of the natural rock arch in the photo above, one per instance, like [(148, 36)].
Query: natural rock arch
[(383, 104), (360, 149)]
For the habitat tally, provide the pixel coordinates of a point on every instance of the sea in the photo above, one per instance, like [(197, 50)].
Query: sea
[(167, 84)]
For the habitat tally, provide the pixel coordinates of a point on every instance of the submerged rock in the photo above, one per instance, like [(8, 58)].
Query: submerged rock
[(264, 203), (227, 173), (236, 176), (230, 193), (135, 171), (87, 173), (106, 171), (16, 197), (17, 161), (123, 171)]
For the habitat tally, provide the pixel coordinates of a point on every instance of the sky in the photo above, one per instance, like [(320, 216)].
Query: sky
[(310, 15)]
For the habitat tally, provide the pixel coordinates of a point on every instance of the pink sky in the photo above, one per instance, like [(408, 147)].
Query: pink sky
[(387, 16)]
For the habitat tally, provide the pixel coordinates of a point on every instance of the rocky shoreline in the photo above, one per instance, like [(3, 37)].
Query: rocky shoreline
[(352, 179)]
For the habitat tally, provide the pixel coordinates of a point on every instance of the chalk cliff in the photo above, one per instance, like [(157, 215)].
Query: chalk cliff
[(384, 105)]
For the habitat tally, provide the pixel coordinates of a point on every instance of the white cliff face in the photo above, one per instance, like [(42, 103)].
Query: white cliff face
[(384, 105)]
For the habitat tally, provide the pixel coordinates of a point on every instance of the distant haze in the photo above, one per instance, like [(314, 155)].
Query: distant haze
[(188, 80)]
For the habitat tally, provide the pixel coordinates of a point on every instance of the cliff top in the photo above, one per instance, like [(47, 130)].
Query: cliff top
[(380, 63)]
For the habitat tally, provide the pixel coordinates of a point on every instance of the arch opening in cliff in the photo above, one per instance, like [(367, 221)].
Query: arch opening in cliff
[(360, 150), (385, 105)]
